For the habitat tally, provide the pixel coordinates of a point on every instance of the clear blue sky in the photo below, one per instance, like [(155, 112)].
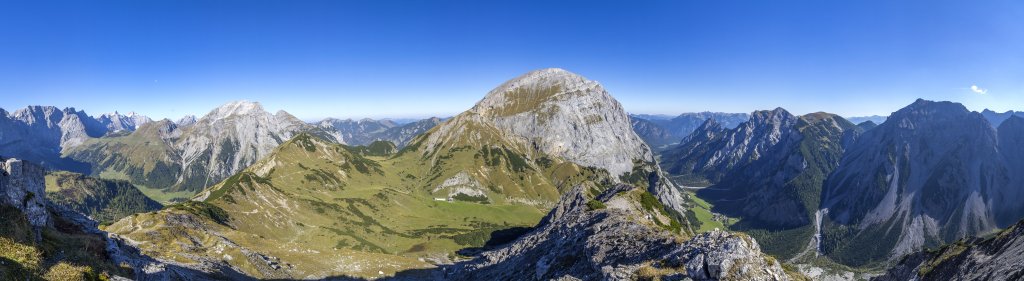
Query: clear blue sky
[(420, 58)]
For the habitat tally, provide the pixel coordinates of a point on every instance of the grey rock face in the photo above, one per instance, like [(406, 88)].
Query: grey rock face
[(711, 151), (23, 186), (68, 126), (933, 172), (41, 133), (577, 243), (563, 114)]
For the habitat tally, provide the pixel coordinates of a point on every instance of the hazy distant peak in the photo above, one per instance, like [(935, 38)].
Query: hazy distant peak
[(774, 114), (187, 120)]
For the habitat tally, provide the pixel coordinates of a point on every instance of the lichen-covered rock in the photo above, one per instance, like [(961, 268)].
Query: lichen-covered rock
[(721, 255)]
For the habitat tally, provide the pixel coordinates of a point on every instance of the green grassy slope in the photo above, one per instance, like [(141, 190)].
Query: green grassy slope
[(62, 253), (317, 204), (143, 158)]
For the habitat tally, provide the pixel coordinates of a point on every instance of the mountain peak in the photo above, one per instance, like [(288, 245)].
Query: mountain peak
[(1012, 121), (528, 91), (562, 114), (710, 125), (933, 105), (929, 111), (773, 116), (187, 120), (241, 107)]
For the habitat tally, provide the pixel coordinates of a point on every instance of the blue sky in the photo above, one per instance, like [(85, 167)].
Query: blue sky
[(420, 58)]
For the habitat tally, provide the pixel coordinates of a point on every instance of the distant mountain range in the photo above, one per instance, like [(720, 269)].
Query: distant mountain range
[(176, 158), (996, 118), (662, 130), (366, 131), (877, 119), (931, 173)]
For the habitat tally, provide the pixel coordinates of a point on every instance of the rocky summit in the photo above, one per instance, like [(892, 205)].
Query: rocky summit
[(563, 114), (559, 113)]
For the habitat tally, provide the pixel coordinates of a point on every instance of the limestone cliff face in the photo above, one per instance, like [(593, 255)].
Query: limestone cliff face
[(23, 186), (563, 114)]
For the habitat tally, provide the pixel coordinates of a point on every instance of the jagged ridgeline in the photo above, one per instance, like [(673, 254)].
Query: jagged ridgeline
[(860, 195), (767, 172), (171, 161), (312, 207)]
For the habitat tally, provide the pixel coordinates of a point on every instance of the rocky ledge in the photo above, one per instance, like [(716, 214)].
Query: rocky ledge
[(612, 236)]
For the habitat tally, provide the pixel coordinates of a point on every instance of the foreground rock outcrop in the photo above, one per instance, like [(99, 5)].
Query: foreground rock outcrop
[(22, 186), (994, 258), (619, 234), (41, 240)]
